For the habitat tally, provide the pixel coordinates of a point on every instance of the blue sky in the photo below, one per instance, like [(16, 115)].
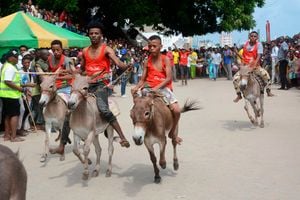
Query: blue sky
[(283, 16)]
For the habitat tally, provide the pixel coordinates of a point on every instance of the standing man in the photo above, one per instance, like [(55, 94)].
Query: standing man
[(227, 59), (274, 56), (283, 64), (252, 52), (157, 76), (10, 93), (96, 63)]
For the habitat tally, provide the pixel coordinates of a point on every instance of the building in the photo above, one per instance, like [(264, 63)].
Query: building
[(226, 39)]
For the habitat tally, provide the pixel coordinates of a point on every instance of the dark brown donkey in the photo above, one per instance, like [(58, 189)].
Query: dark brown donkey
[(152, 120), (13, 177), (86, 124)]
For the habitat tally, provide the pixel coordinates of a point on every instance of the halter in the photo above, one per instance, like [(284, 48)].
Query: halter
[(50, 92), (80, 92)]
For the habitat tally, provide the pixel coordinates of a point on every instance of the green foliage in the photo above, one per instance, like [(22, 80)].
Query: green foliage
[(188, 17)]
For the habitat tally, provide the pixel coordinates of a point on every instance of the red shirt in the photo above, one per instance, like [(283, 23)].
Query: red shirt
[(183, 58), (155, 77), (100, 63), (249, 56), (54, 68)]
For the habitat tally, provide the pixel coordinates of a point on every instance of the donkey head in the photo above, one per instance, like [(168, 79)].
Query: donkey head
[(245, 72), (48, 89), (79, 91), (141, 115)]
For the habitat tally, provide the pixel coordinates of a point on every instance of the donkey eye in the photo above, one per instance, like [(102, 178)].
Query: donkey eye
[(147, 113), (85, 88), (51, 86)]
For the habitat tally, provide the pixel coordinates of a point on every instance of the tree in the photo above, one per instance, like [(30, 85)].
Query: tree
[(188, 17)]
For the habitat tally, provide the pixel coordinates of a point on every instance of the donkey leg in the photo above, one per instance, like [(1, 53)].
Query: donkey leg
[(46, 148), (175, 159), (162, 149), (98, 151), (261, 101), (247, 111), (153, 159), (110, 136), (86, 151), (76, 149), (255, 110)]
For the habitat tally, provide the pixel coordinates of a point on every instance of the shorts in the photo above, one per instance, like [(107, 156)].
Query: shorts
[(11, 107), (169, 96)]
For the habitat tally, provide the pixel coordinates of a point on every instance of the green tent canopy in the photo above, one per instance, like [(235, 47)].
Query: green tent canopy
[(22, 29)]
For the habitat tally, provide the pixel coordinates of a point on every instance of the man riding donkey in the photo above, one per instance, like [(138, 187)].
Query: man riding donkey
[(157, 76), (96, 64), (252, 52), (64, 66)]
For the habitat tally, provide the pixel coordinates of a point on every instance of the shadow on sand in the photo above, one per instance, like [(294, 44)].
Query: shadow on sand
[(140, 175), (234, 125)]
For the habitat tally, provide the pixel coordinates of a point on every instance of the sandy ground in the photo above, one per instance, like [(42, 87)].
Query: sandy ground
[(223, 156)]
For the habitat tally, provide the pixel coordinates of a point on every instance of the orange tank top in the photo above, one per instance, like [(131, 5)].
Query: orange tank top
[(155, 77), (100, 63), (54, 68), (251, 55)]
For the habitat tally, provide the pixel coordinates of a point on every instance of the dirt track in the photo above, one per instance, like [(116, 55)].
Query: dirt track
[(222, 156)]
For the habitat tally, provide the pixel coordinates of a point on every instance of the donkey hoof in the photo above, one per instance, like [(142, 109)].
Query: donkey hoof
[(163, 164), (157, 179), (176, 166), (85, 176), (262, 125), (95, 173), (108, 173), (89, 161), (62, 158), (43, 158)]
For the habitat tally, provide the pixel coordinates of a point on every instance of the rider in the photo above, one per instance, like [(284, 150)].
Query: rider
[(96, 63), (157, 76), (252, 52), (58, 62)]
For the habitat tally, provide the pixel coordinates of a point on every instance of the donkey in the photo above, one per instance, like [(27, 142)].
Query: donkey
[(251, 87), (152, 120), (86, 123), (13, 176), (55, 111)]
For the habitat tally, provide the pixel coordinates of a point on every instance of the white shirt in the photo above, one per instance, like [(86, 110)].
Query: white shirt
[(9, 73), (275, 51), (216, 58)]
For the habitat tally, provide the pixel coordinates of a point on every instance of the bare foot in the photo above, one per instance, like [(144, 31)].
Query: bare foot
[(6, 138), (17, 139), (124, 143), (178, 140), (237, 99)]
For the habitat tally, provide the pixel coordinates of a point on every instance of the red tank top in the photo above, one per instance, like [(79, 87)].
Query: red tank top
[(155, 77), (251, 55), (54, 68), (100, 63), (183, 58)]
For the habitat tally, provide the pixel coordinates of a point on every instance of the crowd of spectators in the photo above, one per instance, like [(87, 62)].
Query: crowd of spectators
[(62, 19)]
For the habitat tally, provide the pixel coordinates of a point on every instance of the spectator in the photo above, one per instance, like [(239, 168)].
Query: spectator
[(10, 92)]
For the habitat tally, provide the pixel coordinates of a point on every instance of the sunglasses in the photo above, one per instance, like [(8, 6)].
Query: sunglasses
[(253, 35)]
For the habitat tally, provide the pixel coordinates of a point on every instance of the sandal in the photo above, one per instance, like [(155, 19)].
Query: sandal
[(17, 139), (125, 143)]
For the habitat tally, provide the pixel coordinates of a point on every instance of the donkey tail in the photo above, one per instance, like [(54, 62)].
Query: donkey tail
[(190, 105)]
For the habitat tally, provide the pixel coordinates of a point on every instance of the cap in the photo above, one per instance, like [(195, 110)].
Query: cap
[(12, 52)]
